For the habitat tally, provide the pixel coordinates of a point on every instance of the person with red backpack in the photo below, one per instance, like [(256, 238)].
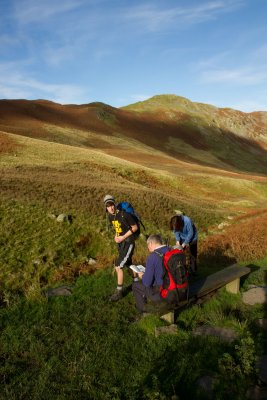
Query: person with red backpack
[(151, 280), (126, 232), (165, 280)]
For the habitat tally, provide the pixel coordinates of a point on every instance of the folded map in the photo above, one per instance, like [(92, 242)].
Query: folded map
[(138, 268)]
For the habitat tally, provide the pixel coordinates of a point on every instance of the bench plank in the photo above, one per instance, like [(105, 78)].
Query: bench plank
[(217, 280), (229, 277)]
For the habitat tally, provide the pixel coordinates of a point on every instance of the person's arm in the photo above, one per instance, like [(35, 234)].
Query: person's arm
[(188, 232), (177, 237), (148, 276), (131, 231)]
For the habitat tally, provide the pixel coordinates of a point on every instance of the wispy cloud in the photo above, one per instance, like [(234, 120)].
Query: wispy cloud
[(28, 11), (251, 69), (8, 40), (155, 19), (140, 97), (250, 105), (134, 98), (237, 76), (55, 56), (14, 84)]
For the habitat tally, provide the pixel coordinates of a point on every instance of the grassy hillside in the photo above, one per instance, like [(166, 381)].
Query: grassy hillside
[(190, 132), (40, 179), (82, 346)]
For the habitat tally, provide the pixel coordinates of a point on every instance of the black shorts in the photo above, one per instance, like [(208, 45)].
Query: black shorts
[(126, 250)]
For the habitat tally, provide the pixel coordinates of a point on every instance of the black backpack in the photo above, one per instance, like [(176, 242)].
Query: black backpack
[(175, 276)]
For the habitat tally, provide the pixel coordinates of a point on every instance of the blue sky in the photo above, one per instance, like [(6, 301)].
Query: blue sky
[(122, 51)]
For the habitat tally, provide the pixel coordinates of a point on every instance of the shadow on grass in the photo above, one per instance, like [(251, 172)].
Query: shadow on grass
[(214, 260)]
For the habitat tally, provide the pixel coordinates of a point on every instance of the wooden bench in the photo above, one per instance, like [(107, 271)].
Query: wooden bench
[(228, 277)]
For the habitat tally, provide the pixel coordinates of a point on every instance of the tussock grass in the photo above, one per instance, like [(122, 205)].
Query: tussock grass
[(82, 346)]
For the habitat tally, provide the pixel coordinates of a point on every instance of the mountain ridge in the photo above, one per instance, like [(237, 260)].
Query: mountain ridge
[(192, 132)]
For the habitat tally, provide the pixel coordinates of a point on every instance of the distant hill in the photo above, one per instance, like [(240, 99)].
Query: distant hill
[(192, 132)]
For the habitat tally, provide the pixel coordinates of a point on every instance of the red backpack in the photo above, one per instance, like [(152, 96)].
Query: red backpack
[(175, 276)]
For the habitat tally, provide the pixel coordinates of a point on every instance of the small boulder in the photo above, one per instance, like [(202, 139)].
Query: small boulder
[(225, 334), (261, 366), (91, 261), (206, 384), (170, 329), (59, 291), (262, 323), (62, 218), (257, 295)]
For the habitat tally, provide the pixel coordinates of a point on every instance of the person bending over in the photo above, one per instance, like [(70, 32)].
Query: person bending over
[(186, 235)]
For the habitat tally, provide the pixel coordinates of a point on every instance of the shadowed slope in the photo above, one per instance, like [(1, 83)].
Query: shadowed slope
[(187, 131)]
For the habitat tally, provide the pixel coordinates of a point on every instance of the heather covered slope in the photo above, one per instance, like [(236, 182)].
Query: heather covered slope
[(68, 346), (186, 131)]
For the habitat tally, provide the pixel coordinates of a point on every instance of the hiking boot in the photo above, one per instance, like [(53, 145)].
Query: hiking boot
[(117, 295)]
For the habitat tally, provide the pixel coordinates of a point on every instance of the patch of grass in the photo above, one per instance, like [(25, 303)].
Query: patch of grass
[(82, 344)]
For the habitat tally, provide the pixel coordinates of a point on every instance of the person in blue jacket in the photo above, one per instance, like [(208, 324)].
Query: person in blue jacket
[(151, 279), (186, 235)]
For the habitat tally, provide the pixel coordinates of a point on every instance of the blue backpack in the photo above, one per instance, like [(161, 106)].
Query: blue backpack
[(127, 207)]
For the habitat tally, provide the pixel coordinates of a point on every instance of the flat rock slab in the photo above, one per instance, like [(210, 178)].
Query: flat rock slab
[(170, 329), (257, 393), (262, 323), (261, 365), (257, 295), (206, 384), (225, 334), (60, 291)]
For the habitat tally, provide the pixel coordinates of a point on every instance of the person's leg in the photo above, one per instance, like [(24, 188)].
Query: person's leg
[(124, 259), (193, 257), (142, 294), (139, 294)]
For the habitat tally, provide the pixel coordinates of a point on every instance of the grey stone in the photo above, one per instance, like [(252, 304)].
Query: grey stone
[(262, 323), (257, 295), (59, 291), (52, 216), (170, 329), (225, 334), (223, 225), (257, 393), (62, 218), (206, 383), (261, 366)]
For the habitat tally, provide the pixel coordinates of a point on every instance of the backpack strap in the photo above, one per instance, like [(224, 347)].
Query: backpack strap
[(163, 266), (158, 253), (128, 225), (124, 222)]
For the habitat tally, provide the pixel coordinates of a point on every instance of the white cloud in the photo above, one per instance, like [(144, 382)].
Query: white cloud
[(237, 76), (8, 40), (28, 11), (56, 55), (8, 92), (155, 19), (134, 98), (251, 69), (250, 106), (139, 97), (14, 84)]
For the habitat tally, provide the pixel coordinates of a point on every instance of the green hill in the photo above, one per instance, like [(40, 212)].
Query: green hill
[(162, 157)]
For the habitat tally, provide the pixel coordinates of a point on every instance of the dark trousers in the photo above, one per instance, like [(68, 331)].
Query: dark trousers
[(142, 294), (193, 256)]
